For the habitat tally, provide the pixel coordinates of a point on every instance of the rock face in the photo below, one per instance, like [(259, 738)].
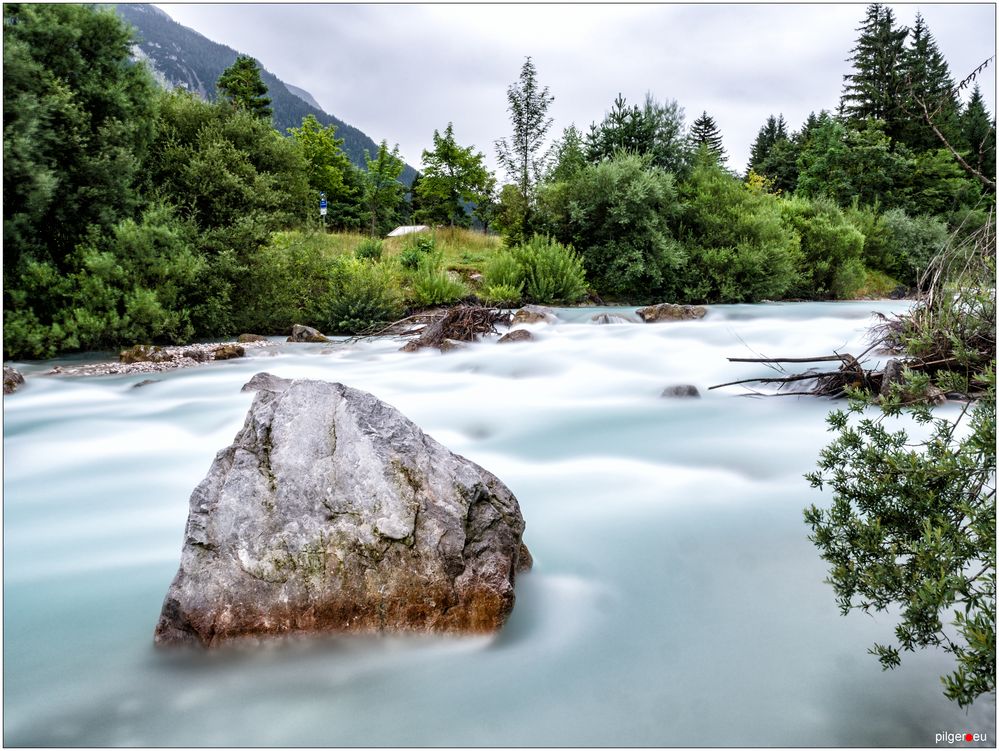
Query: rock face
[(333, 512), (517, 335), (534, 314), (11, 379), (300, 333), (670, 312)]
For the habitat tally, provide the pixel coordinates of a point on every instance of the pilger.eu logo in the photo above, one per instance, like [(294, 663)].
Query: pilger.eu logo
[(953, 738)]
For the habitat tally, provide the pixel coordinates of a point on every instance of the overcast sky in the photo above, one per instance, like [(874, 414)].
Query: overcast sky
[(401, 71)]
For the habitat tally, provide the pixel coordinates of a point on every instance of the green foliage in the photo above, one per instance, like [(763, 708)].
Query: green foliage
[(330, 172), (831, 248), (567, 156), (78, 120), (241, 86), (360, 295), (740, 248), (916, 527), (618, 214), (654, 131), (453, 175), (416, 249), (502, 295), (978, 134), (435, 285), (704, 134), (542, 270), (383, 193), (510, 214), (528, 107), (874, 87), (369, 249)]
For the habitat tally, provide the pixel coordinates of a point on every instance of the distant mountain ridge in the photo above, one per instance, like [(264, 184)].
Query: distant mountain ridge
[(181, 57)]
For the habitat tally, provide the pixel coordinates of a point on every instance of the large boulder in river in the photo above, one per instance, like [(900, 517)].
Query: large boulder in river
[(332, 512), (11, 379), (669, 312), (300, 333)]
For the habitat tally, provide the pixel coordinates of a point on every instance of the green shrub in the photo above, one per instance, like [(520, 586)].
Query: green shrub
[(552, 271), (831, 248), (416, 250), (740, 248), (618, 214), (369, 248), (542, 270), (361, 295), (436, 286), (502, 295)]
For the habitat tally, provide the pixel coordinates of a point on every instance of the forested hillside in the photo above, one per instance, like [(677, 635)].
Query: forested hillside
[(184, 58)]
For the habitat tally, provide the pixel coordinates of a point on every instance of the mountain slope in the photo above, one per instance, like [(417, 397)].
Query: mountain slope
[(181, 57)]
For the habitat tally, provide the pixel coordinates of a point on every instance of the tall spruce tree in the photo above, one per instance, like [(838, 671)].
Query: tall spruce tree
[(926, 80), (704, 132), (528, 107), (568, 156), (978, 134), (241, 85), (875, 88), (774, 155)]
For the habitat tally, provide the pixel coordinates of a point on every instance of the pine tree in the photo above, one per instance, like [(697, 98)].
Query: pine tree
[(979, 135), (704, 132), (774, 155), (654, 131), (926, 80), (241, 85), (567, 156), (874, 88)]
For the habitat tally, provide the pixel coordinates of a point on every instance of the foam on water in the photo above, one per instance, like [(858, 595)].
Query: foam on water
[(675, 598)]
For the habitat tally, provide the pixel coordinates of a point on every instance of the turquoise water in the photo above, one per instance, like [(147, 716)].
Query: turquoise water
[(675, 599)]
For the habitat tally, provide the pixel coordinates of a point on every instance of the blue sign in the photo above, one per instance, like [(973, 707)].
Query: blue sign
[(322, 203)]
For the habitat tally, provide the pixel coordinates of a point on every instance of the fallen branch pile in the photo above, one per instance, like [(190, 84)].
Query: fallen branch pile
[(850, 374), (441, 328)]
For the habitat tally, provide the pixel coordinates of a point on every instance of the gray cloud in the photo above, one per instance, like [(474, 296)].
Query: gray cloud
[(401, 71)]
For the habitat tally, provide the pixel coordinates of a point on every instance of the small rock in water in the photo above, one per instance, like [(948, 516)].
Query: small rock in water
[(144, 353), (670, 312), (11, 379), (517, 335), (146, 382), (332, 512), (535, 314), (245, 338), (300, 333), (228, 352), (681, 391)]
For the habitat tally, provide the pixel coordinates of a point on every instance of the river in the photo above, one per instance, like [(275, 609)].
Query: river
[(675, 598)]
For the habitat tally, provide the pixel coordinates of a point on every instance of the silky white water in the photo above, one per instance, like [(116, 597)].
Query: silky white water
[(675, 598)]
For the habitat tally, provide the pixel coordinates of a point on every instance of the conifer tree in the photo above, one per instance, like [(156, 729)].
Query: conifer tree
[(654, 131), (774, 155), (704, 132), (926, 80), (241, 85), (567, 155), (979, 135), (874, 88)]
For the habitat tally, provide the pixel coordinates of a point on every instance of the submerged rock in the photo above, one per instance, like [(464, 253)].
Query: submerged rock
[(681, 391), (535, 314), (605, 319), (669, 312), (300, 333), (517, 335), (332, 512), (11, 379)]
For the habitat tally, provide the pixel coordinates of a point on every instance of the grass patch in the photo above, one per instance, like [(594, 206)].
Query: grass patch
[(876, 285)]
